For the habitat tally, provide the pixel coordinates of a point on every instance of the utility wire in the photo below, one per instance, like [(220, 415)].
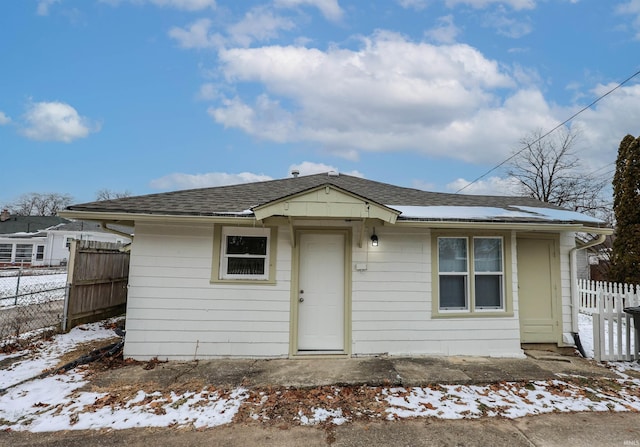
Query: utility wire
[(601, 168), (551, 131)]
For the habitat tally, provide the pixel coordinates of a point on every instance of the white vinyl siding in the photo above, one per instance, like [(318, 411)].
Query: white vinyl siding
[(392, 304), (567, 242), (175, 312)]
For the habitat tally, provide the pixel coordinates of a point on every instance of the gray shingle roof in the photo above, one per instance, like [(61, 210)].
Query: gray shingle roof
[(29, 224), (238, 198)]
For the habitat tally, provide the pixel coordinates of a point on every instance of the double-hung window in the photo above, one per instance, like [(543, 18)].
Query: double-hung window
[(6, 251), (24, 252), (39, 252), (245, 253), (470, 274)]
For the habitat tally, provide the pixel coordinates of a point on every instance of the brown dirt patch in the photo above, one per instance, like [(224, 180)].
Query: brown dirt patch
[(84, 349)]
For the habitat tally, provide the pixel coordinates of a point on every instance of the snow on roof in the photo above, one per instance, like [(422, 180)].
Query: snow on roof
[(491, 213), (560, 215)]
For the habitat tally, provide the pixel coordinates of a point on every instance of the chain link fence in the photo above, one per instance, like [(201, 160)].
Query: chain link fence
[(31, 298)]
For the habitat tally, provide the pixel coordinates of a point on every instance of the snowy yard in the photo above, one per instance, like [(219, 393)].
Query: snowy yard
[(58, 402), (32, 289)]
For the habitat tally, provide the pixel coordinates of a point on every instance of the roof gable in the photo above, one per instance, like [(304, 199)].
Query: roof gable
[(29, 224), (327, 201)]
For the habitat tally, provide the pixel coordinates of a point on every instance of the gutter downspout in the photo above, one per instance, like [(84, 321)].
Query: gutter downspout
[(103, 225), (575, 305)]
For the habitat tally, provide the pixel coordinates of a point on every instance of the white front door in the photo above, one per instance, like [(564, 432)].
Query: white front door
[(321, 292)]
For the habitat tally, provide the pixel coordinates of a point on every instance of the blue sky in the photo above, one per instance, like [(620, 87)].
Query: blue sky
[(157, 95)]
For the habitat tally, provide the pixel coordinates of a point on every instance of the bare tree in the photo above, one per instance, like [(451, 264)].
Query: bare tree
[(549, 170), (108, 194), (37, 204)]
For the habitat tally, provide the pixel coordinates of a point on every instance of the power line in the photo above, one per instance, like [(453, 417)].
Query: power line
[(604, 174), (551, 131)]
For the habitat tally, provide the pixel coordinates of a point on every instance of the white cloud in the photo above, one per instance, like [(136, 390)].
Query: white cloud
[(491, 186), (418, 5), (191, 181), (184, 5), (603, 126), (43, 6), (259, 24), (391, 94), (266, 118), (395, 94), (480, 4), (445, 32), (55, 121), (208, 92), (632, 8), (309, 168), (196, 35), (506, 25), (330, 9), (4, 119)]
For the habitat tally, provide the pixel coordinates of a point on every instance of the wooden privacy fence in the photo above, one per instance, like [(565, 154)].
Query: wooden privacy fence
[(97, 282), (614, 334)]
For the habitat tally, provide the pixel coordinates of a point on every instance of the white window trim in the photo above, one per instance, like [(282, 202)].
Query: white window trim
[(224, 258), (470, 274), (30, 255), (11, 253), (37, 252)]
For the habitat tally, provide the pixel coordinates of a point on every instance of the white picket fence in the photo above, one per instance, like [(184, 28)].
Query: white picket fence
[(614, 335)]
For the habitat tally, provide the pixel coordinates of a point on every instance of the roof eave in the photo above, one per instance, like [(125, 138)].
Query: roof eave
[(130, 218), (548, 226)]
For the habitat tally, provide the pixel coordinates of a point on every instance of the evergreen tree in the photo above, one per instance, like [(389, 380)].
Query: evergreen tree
[(626, 205)]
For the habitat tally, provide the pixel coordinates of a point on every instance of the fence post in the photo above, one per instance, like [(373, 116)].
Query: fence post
[(597, 340), (15, 303), (65, 308)]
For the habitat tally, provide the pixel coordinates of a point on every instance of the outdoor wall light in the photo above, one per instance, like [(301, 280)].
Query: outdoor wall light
[(374, 240)]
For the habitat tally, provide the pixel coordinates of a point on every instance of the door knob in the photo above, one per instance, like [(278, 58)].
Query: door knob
[(301, 299)]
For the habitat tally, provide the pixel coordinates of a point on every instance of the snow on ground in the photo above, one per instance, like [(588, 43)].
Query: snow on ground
[(585, 326), (57, 402), (48, 352), (32, 289)]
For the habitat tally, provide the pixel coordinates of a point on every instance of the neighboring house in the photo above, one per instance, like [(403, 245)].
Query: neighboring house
[(44, 240), (59, 237), (594, 263), (337, 265)]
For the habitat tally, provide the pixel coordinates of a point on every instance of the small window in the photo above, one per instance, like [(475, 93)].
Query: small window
[(24, 252), (245, 253), (39, 252)]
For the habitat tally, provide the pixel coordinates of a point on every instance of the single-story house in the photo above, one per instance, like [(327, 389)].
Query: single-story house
[(336, 265), (44, 240)]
